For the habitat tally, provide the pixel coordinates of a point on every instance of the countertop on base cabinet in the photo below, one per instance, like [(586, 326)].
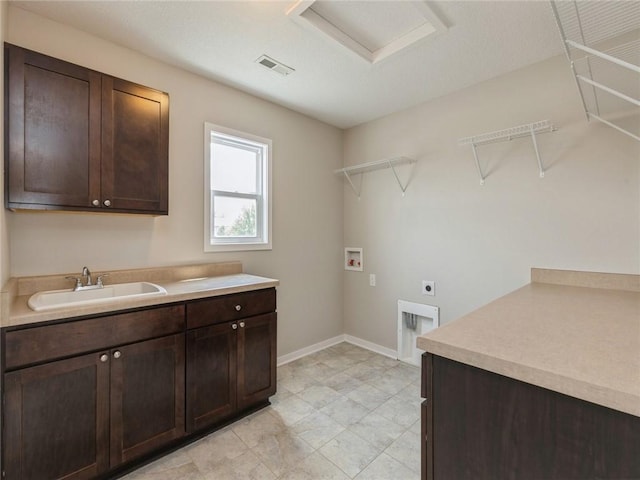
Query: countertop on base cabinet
[(572, 338), (182, 282), (541, 383)]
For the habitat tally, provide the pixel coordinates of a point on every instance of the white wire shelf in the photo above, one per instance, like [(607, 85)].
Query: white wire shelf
[(509, 133), (602, 44), (529, 129), (362, 168)]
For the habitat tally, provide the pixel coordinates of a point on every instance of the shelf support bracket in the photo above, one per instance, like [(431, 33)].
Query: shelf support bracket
[(353, 187), (395, 174), (475, 156), (535, 147), (363, 168)]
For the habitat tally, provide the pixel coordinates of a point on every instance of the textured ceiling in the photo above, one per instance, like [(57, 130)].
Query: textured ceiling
[(222, 40)]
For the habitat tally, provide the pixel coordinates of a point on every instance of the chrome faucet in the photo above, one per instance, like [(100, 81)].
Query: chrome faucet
[(86, 274), (88, 282)]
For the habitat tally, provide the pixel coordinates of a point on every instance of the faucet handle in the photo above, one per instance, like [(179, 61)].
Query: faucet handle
[(99, 279), (78, 281)]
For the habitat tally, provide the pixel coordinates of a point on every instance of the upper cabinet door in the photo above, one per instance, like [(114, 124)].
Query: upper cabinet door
[(82, 140), (53, 125), (135, 137)]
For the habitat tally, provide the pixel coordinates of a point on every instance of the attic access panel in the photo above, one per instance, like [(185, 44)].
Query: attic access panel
[(372, 30)]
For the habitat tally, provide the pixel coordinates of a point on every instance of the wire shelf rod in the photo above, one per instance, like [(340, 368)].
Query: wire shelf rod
[(609, 90), (529, 129), (375, 165), (596, 21), (563, 34), (362, 168), (613, 125), (604, 56), (630, 50), (582, 99), (508, 133), (583, 26)]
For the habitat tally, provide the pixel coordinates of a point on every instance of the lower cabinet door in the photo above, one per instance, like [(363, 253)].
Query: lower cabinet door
[(256, 359), (56, 420), (211, 374), (147, 396)]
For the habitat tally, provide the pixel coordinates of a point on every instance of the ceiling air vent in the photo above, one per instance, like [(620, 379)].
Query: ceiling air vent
[(274, 65)]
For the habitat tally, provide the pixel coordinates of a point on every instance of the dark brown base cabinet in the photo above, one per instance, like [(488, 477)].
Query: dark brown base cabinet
[(480, 425), (231, 365), (229, 369), (147, 397), (92, 398), (56, 420)]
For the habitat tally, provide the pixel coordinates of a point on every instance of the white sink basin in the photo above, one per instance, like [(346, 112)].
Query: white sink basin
[(109, 293)]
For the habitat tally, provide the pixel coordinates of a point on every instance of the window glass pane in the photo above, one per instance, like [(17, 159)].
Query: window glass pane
[(237, 190), (234, 217), (233, 168)]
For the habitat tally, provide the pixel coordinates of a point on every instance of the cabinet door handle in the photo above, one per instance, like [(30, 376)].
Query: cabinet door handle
[(234, 326), (117, 354), (104, 357), (96, 203), (241, 324), (238, 308), (107, 203)]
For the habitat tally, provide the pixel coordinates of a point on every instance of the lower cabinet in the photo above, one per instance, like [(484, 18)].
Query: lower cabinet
[(147, 397), (256, 360), (484, 426), (88, 398), (56, 420), (80, 417), (211, 375), (230, 367)]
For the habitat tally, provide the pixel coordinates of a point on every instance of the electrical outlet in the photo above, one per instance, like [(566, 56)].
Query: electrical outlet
[(372, 279), (428, 287)]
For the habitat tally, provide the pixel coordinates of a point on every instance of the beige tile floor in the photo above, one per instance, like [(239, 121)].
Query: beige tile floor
[(340, 413)]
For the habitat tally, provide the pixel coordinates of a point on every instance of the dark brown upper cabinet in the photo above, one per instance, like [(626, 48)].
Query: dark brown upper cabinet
[(77, 139)]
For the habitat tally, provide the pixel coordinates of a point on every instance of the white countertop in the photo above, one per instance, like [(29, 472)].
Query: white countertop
[(580, 341), (177, 290)]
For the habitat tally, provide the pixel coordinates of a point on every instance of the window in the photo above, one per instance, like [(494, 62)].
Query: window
[(237, 201)]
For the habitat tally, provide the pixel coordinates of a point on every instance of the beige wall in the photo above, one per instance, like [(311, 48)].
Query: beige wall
[(479, 242), (307, 200), (476, 242)]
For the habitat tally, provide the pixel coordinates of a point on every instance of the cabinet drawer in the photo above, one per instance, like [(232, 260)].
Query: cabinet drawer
[(39, 344), (230, 307)]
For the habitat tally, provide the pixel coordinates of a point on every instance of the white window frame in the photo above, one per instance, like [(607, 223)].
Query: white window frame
[(262, 241)]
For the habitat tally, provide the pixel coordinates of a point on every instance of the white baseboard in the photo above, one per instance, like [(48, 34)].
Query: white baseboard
[(316, 347), (374, 347)]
